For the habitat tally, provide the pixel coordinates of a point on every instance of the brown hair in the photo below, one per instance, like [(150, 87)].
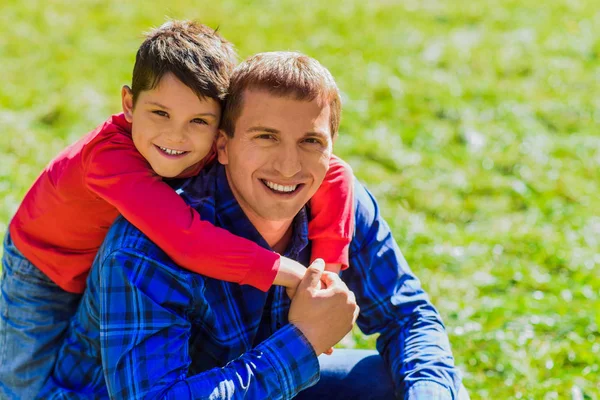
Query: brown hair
[(282, 74), (196, 54)]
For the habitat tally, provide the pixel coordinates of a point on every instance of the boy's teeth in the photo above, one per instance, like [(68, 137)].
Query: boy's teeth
[(280, 188), (171, 152)]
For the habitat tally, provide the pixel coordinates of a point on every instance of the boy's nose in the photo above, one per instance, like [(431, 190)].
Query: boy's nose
[(175, 136)]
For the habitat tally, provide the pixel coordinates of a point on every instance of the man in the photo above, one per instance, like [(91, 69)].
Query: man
[(147, 328)]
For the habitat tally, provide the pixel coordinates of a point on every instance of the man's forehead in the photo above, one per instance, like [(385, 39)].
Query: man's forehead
[(265, 111)]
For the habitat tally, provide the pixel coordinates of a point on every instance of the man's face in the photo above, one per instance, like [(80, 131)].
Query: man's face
[(278, 155), (171, 127)]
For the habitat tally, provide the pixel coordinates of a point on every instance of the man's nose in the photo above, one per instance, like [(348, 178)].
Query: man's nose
[(287, 161)]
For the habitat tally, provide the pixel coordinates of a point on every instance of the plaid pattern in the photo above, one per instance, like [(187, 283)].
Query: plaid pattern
[(162, 332)]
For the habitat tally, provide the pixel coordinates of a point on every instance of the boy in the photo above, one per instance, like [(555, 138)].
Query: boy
[(170, 118)]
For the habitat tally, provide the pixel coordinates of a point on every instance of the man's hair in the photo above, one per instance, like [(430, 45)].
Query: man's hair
[(196, 54), (284, 74)]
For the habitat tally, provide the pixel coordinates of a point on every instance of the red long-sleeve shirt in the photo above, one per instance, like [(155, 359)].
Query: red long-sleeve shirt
[(66, 214)]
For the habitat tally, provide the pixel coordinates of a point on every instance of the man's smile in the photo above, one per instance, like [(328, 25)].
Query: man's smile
[(282, 189)]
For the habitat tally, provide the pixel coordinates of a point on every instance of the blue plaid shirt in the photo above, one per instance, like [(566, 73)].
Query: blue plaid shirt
[(147, 328)]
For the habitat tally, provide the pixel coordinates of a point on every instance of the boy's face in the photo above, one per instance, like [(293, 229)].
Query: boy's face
[(171, 127), (278, 155)]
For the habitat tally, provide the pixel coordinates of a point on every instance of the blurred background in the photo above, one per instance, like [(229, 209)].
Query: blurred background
[(475, 124)]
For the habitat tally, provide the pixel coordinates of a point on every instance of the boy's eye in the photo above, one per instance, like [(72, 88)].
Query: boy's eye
[(200, 121), (160, 113)]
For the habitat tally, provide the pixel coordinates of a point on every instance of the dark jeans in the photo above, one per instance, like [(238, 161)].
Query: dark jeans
[(354, 374)]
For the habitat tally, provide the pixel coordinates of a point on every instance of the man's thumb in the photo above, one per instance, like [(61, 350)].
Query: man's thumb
[(313, 273)]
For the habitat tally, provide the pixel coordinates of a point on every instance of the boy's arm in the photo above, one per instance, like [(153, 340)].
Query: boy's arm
[(145, 328), (332, 210), (117, 173)]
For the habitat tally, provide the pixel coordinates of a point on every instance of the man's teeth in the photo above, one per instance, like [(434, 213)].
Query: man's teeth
[(170, 151), (280, 188)]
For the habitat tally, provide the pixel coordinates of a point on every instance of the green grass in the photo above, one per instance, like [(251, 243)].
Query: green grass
[(474, 123)]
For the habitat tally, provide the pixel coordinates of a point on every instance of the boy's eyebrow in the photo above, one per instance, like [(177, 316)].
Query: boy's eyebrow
[(154, 103)]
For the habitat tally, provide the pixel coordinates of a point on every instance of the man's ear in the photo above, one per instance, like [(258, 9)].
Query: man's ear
[(127, 103), (222, 140)]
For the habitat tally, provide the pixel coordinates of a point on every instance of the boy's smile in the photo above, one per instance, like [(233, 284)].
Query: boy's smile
[(171, 127), (171, 152)]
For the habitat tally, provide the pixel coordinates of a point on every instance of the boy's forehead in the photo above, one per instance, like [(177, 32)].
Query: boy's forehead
[(173, 95)]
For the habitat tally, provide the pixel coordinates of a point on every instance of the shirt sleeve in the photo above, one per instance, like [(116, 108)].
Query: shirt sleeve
[(413, 341), (118, 174), (144, 336), (332, 215)]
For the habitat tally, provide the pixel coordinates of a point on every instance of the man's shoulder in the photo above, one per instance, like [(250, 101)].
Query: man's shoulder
[(135, 255), (199, 191), (122, 231), (365, 206), (369, 226), (124, 236)]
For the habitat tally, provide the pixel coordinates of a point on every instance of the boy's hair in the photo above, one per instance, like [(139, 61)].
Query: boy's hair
[(282, 74), (196, 54)]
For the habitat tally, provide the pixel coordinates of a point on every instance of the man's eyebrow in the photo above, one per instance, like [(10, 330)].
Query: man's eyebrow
[(320, 134), (262, 129)]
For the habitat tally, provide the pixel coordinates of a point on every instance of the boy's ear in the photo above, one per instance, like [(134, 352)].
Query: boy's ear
[(127, 103), (222, 155)]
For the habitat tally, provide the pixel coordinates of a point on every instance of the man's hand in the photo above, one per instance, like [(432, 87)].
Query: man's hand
[(325, 315)]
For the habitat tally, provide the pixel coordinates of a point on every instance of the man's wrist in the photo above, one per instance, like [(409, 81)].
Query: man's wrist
[(293, 359)]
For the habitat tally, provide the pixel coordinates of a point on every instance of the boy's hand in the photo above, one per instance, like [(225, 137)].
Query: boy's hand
[(289, 275), (335, 268)]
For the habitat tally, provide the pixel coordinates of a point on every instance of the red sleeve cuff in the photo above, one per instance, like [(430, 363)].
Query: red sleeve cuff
[(263, 270), (331, 251)]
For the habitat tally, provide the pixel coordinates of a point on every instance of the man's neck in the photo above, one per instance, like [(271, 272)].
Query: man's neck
[(277, 234)]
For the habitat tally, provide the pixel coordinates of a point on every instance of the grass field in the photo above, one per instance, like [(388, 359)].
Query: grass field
[(473, 122)]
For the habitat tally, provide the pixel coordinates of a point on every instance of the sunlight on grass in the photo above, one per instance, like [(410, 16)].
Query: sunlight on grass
[(474, 124)]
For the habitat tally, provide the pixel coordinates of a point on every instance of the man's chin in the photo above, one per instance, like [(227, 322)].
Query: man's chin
[(280, 215)]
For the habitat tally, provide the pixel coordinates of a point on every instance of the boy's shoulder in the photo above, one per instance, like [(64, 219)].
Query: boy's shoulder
[(115, 129), (115, 126)]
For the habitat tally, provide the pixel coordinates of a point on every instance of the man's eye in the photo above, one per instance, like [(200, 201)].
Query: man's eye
[(266, 136), (160, 113), (312, 141), (199, 121)]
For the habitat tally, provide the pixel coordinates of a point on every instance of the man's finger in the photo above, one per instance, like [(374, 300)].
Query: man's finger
[(332, 280), (312, 277), (356, 314)]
